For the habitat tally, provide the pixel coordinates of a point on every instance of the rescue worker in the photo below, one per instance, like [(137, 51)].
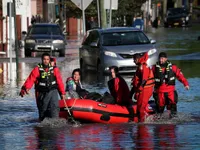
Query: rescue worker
[(53, 61), (143, 83), (48, 82), (119, 88), (53, 64), (165, 74)]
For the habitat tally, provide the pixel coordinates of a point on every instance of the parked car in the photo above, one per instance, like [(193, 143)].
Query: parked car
[(103, 48), (45, 37), (177, 17)]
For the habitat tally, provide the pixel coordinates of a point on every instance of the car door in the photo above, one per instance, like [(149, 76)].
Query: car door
[(90, 49), (85, 50), (94, 48)]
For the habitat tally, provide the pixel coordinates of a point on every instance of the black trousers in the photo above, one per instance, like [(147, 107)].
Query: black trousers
[(48, 104)]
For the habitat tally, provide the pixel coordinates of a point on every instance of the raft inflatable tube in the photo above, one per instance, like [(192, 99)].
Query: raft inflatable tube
[(97, 112)]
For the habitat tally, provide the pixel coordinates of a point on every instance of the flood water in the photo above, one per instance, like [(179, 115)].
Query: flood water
[(20, 130)]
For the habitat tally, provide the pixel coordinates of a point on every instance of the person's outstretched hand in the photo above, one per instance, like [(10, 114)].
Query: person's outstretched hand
[(23, 92), (187, 87)]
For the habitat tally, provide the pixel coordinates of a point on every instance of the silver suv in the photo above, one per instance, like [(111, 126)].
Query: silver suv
[(103, 48)]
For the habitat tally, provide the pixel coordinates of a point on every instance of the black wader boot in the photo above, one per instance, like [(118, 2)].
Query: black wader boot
[(173, 110)]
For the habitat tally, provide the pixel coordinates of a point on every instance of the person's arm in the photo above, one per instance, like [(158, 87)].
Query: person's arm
[(117, 91), (145, 74), (144, 70), (29, 81), (31, 78), (59, 81), (180, 76), (70, 85)]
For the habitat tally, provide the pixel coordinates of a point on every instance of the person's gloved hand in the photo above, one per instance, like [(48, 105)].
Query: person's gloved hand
[(140, 89), (22, 92)]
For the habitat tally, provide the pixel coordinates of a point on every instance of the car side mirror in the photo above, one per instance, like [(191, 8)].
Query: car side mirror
[(94, 44), (153, 41), (24, 32)]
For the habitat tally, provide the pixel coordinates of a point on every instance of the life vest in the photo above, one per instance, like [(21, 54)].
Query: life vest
[(47, 80), (150, 81), (168, 76)]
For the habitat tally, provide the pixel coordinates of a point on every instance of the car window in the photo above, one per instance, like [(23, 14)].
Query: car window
[(87, 40), (177, 11), (124, 38), (92, 37), (54, 30)]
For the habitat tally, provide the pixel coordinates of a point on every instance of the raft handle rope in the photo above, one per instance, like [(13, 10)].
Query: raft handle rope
[(71, 106), (68, 109)]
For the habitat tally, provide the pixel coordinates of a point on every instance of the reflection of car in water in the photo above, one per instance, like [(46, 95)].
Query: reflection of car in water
[(45, 37), (103, 48), (177, 17)]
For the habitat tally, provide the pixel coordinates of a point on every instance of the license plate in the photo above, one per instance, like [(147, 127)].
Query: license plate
[(44, 46), (176, 24)]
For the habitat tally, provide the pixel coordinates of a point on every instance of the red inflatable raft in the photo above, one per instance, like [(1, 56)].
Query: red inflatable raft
[(92, 111)]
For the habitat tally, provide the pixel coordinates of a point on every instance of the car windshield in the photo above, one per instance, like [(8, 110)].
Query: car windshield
[(124, 38), (54, 30), (177, 11)]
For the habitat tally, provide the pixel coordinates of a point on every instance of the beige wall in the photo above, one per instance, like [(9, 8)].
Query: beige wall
[(33, 7)]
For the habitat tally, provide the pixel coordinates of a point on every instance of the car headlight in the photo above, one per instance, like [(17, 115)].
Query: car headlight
[(112, 54), (187, 18), (152, 51), (58, 41), (30, 41)]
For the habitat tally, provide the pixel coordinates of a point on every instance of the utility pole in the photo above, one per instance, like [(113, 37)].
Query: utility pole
[(16, 40), (10, 37), (61, 13), (98, 12), (110, 17), (103, 14), (83, 15)]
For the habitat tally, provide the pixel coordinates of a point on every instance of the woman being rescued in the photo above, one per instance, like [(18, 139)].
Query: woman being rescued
[(74, 88)]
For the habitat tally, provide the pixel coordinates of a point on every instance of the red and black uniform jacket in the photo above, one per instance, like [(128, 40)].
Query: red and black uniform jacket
[(35, 76), (165, 77)]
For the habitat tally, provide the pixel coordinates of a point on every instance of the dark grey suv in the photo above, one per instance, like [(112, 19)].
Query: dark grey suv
[(177, 17), (45, 37), (103, 48)]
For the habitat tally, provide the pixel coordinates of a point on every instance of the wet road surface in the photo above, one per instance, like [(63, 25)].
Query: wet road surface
[(19, 128)]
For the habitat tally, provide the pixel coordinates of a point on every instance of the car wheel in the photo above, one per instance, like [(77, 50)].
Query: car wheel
[(27, 53), (62, 53)]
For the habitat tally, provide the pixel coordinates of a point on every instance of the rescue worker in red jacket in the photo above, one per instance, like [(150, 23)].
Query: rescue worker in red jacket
[(143, 83), (48, 82), (53, 64), (119, 88), (165, 74)]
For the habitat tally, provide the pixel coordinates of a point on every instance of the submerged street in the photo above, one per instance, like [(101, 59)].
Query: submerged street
[(20, 129)]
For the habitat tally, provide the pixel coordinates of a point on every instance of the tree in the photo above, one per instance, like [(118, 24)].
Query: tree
[(127, 8)]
